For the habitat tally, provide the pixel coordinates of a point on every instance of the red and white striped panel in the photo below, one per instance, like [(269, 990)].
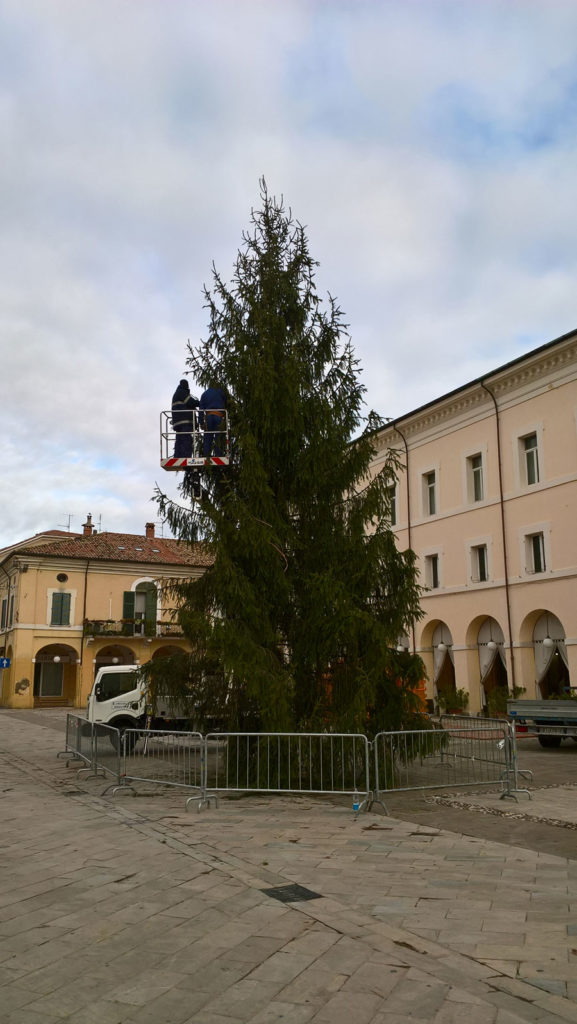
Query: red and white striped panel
[(177, 463)]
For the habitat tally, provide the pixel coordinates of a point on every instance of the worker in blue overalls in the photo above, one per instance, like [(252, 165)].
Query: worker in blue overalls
[(212, 418)]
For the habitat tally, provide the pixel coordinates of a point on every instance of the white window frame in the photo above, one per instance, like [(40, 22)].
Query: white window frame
[(431, 561), (476, 574), (521, 461), (535, 542), (426, 491), (469, 475), (542, 530), (394, 505)]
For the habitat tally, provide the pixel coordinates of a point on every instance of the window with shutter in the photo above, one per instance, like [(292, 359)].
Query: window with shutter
[(60, 615), (128, 613)]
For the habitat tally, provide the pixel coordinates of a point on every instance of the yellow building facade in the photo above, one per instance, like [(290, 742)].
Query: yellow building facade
[(70, 603), (487, 500)]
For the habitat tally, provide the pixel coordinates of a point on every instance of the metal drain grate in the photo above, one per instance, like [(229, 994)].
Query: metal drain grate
[(292, 893)]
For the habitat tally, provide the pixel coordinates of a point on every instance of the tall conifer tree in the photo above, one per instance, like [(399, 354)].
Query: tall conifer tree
[(299, 616)]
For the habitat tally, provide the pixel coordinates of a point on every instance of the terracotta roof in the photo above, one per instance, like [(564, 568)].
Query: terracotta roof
[(124, 547), (44, 537)]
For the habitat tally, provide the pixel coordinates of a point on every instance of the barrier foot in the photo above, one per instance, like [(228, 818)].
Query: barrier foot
[(202, 800), (377, 800), (69, 754), (118, 787), (90, 771)]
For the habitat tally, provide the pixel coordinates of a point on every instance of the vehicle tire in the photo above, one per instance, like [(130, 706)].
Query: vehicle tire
[(550, 741), (130, 738)]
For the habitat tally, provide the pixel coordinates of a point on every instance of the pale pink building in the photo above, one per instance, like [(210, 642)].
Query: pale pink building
[(488, 501)]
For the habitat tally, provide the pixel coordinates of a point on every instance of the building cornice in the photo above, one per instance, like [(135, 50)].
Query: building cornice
[(538, 371)]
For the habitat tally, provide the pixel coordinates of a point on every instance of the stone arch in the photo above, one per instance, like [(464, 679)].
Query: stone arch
[(55, 674), (114, 654), (167, 650), (550, 653), (444, 682), (493, 676)]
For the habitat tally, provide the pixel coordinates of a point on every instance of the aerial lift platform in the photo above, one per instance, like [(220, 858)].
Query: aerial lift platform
[(193, 441)]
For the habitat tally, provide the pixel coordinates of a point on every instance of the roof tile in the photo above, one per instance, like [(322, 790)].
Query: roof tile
[(125, 547)]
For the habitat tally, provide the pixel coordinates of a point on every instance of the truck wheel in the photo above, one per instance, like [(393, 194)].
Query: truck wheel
[(130, 738), (550, 741)]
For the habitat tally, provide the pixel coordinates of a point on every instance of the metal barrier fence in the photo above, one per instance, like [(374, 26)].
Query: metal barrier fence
[(465, 752), (472, 725), (78, 745), (107, 743), (436, 759), (288, 763), (164, 758)]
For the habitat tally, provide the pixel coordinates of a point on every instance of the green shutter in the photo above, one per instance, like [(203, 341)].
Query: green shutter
[(60, 610), (150, 606), (128, 612)]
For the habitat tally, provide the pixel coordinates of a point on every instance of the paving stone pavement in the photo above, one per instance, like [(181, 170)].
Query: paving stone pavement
[(130, 910)]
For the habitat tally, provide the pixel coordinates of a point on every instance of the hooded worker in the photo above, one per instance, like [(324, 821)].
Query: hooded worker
[(183, 419)]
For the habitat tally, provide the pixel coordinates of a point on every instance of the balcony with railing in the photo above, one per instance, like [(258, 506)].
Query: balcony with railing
[(137, 626)]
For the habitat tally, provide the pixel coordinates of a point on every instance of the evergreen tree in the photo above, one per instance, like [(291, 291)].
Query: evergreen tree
[(296, 623)]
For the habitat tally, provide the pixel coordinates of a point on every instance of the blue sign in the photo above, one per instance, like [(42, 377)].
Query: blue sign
[(4, 662)]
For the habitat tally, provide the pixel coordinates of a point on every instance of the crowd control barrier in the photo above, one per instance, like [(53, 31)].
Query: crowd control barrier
[(464, 752), (288, 763), (457, 723), (164, 758), (436, 759), (78, 744)]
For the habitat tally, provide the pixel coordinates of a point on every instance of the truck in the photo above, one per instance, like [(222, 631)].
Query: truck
[(120, 698), (549, 720)]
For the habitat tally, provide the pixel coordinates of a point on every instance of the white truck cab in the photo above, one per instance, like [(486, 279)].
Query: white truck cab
[(120, 698)]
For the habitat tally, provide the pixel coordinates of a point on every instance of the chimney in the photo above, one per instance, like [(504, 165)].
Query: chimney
[(149, 531), (87, 527)]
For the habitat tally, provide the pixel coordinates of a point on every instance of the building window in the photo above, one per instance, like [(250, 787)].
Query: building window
[(535, 553), (392, 498), (11, 611), (432, 571), (60, 614), (480, 564), (430, 493), (530, 451), (4, 619), (475, 474)]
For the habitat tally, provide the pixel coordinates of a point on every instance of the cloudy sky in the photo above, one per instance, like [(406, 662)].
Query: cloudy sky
[(429, 146)]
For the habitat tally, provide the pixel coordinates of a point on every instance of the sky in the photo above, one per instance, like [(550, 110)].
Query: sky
[(428, 146)]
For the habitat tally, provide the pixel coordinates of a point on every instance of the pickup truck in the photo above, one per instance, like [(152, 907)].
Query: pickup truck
[(119, 698), (550, 720)]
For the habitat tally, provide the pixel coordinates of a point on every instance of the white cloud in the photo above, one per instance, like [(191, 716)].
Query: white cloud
[(429, 148)]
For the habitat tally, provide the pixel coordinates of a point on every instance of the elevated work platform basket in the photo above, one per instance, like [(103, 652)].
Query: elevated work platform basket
[(194, 447)]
